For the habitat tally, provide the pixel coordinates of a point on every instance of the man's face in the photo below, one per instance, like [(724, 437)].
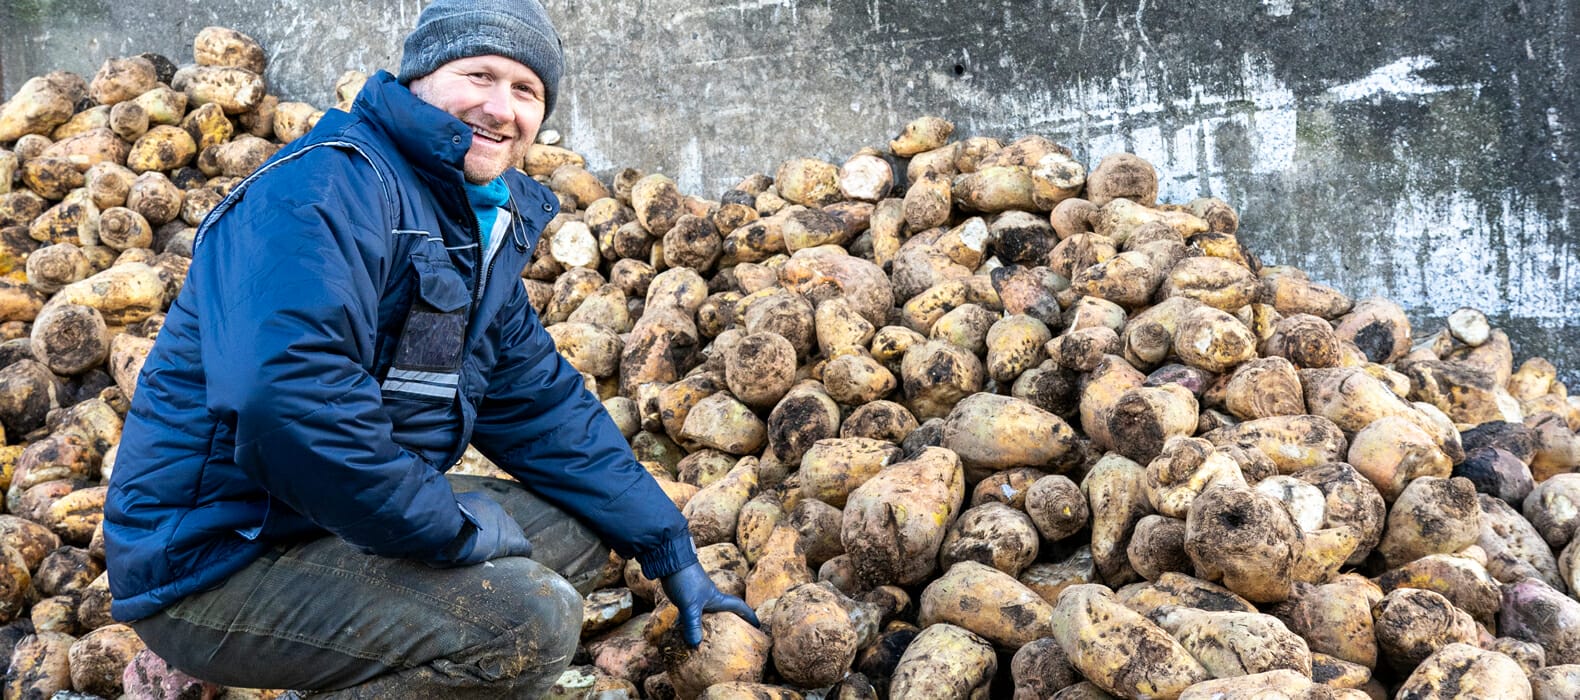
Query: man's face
[(501, 100)]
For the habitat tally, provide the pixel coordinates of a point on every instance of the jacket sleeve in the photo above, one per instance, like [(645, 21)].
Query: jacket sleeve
[(287, 286), (539, 423)]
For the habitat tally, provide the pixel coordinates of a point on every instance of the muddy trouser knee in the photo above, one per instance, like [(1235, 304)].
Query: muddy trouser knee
[(322, 616)]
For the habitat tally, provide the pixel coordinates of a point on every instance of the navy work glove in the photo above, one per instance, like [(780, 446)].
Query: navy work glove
[(693, 592), (488, 533)]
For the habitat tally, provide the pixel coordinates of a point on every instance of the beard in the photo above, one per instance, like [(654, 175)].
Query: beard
[(484, 165)]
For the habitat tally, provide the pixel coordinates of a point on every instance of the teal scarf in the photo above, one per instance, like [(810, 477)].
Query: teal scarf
[(486, 199)]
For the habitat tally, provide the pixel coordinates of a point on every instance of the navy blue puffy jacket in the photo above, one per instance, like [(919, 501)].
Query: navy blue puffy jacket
[(268, 411)]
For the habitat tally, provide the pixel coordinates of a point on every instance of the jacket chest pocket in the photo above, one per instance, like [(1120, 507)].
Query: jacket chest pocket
[(431, 348)]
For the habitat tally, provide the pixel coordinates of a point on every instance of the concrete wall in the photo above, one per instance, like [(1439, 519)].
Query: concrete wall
[(1422, 150)]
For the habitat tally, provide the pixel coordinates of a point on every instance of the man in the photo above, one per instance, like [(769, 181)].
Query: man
[(278, 516)]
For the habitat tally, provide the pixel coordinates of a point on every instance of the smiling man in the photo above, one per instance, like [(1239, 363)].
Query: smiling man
[(279, 515)]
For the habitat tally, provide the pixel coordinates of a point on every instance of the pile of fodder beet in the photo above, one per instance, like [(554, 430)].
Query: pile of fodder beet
[(955, 416)]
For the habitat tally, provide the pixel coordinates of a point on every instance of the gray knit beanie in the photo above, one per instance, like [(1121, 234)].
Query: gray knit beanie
[(516, 29)]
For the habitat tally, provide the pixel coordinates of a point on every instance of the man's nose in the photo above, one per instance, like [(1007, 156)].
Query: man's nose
[(498, 107)]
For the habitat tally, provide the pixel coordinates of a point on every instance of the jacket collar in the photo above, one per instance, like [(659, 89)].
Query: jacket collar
[(431, 140), (435, 144)]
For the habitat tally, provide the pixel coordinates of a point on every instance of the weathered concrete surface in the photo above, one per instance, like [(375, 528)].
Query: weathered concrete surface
[(1422, 150)]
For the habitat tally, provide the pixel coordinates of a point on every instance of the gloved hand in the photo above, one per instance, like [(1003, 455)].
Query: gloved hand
[(488, 533), (693, 592)]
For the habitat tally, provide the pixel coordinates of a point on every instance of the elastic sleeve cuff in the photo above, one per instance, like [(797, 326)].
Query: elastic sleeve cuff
[(669, 557)]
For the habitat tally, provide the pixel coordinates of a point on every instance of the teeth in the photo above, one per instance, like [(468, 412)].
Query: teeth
[(491, 136)]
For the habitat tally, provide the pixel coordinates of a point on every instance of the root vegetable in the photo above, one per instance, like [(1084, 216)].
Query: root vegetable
[(1143, 419), (927, 202), (1264, 388), (235, 90), (756, 522), (1515, 550), (1127, 279), (40, 666), (1072, 216), (663, 345), (161, 148), (1115, 488), (1214, 281), (1392, 451), (27, 393), (221, 46), (992, 534), (154, 197), (1469, 326), (944, 662), (1184, 469), (1378, 327), (1536, 612), (781, 567), (832, 469), (1231, 644), (760, 369), (123, 294), (98, 659), (922, 134), (704, 467), (808, 182), (1041, 668), (1158, 547), (1294, 295), (1248, 541), (51, 268), (84, 150), (937, 375), (804, 416), (121, 228), (1462, 669), (15, 582), (813, 641), (1014, 345), (896, 521), (714, 511), (986, 601), (40, 105), (732, 650), (1556, 682), (855, 378), (991, 433), (1413, 624), (1292, 442), (208, 126), (865, 176), (1122, 175), (1432, 516), (1460, 579), (879, 420), (74, 220), (966, 325), (1118, 649), (1335, 618)]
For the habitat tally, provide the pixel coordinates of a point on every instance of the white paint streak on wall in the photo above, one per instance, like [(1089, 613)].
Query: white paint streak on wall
[(590, 148), (1396, 79), (1108, 117), (690, 179), (1443, 244), (740, 7)]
